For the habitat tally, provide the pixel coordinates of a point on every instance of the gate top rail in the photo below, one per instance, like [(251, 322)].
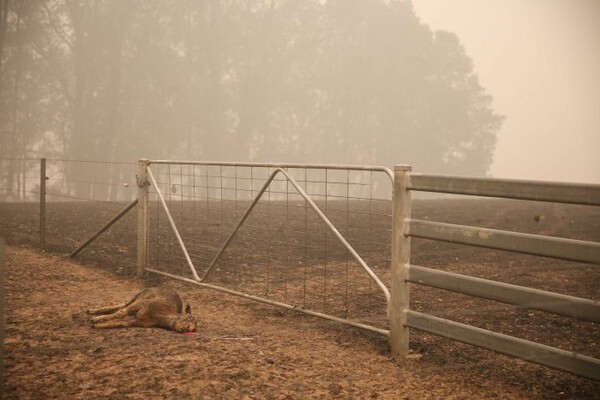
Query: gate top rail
[(557, 192), (385, 170)]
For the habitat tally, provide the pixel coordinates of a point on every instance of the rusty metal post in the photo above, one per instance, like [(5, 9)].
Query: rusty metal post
[(400, 262), (143, 218), (43, 179)]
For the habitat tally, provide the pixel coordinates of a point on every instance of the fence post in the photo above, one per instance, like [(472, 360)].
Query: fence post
[(400, 261), (43, 203), (2, 346), (143, 218)]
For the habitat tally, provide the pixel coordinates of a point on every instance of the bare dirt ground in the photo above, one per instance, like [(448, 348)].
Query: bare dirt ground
[(254, 351)]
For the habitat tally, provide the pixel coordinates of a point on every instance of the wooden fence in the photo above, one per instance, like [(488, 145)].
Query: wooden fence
[(404, 273)]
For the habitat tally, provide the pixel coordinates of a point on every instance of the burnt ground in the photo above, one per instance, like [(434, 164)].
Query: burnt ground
[(252, 350)]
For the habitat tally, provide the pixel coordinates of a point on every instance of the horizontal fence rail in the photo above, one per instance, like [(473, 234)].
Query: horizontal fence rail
[(524, 297), (524, 349), (547, 246), (556, 192), (405, 227)]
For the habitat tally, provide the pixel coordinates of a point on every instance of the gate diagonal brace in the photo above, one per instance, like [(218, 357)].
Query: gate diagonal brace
[(173, 226), (327, 222), (104, 228)]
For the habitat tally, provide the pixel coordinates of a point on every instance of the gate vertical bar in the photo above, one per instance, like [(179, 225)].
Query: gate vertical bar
[(401, 211), (43, 203), (143, 217)]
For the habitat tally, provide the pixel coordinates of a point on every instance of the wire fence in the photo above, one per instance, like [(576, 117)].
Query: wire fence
[(19, 179), (283, 251), (74, 199), (67, 180)]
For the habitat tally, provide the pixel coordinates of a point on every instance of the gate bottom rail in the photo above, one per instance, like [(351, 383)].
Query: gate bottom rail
[(272, 302)]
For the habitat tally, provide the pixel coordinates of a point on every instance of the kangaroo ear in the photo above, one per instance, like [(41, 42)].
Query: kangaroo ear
[(188, 309)]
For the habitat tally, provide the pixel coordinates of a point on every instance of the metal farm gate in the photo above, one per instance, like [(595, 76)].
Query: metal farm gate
[(313, 238)]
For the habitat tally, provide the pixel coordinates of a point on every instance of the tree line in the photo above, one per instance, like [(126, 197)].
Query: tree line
[(335, 81)]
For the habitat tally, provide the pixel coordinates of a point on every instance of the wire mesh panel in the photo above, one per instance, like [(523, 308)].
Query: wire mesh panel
[(20, 200), (283, 250), (84, 195), (59, 203), (97, 181), (19, 179)]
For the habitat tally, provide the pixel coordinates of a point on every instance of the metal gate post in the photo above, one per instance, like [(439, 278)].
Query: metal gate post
[(401, 204), (43, 203), (143, 218), (2, 345)]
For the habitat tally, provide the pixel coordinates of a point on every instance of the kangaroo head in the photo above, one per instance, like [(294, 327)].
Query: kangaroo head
[(186, 323)]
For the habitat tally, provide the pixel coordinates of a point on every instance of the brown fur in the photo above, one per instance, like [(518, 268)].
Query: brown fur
[(153, 307)]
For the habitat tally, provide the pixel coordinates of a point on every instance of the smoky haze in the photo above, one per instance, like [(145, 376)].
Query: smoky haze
[(337, 81), (540, 61)]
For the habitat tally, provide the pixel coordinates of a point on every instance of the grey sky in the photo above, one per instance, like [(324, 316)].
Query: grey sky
[(540, 60)]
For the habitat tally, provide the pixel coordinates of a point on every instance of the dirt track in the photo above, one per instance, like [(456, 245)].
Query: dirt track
[(244, 350)]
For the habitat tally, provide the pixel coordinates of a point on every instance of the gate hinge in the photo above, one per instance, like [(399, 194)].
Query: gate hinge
[(142, 183)]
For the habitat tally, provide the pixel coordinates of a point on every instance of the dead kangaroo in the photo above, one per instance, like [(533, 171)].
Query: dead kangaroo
[(153, 307)]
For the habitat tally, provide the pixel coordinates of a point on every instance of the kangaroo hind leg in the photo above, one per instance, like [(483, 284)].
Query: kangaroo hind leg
[(106, 310), (117, 323), (112, 309), (122, 313)]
